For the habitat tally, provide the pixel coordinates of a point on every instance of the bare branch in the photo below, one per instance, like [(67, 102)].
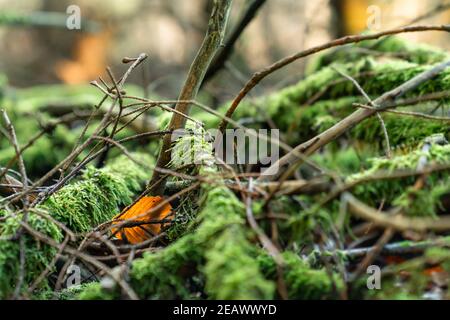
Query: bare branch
[(197, 71), (397, 222), (225, 52)]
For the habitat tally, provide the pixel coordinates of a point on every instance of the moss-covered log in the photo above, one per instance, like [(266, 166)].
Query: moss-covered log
[(216, 257), (99, 194), (95, 198)]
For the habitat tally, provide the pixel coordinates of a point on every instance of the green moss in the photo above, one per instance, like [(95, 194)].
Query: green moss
[(82, 205), (92, 291), (427, 201), (393, 47), (71, 293), (424, 202), (302, 281), (230, 270), (343, 161), (415, 52), (213, 256), (192, 152), (399, 191), (212, 252), (310, 220), (288, 111), (98, 196), (401, 130), (437, 154), (149, 274), (438, 254), (151, 279), (201, 253), (38, 255), (191, 147), (33, 108)]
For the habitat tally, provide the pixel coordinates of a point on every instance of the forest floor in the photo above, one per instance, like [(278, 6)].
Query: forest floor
[(100, 200)]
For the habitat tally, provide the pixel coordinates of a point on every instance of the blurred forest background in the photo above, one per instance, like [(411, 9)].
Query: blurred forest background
[(171, 31), (328, 224)]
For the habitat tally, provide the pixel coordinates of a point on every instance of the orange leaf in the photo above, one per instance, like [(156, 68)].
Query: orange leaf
[(139, 212), (431, 270), (394, 260)]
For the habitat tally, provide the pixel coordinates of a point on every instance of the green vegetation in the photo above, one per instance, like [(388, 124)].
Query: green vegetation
[(209, 250)]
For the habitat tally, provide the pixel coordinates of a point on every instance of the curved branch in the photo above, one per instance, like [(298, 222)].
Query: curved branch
[(260, 75)]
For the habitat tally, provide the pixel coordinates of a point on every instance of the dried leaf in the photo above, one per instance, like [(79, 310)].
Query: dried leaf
[(137, 212)]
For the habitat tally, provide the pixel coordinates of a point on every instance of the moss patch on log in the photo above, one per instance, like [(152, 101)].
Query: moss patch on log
[(81, 206), (100, 193), (37, 254)]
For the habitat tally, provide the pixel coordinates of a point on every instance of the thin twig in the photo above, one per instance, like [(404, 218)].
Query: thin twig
[(371, 103)]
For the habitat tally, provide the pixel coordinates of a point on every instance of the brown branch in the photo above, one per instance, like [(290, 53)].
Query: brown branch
[(408, 113), (76, 253), (102, 158), (268, 244), (197, 71), (397, 222), (48, 267), (373, 253), (15, 143), (226, 51)]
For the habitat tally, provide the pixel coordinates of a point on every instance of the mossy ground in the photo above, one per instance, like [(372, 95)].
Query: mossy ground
[(210, 251)]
